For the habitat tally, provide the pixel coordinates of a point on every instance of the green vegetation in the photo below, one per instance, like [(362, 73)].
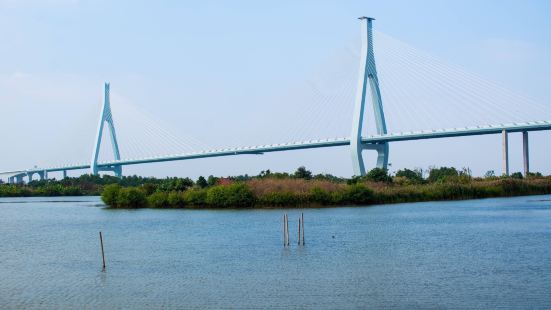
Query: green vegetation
[(301, 188)]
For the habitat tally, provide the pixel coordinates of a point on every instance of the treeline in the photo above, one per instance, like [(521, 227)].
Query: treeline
[(302, 188), (90, 185)]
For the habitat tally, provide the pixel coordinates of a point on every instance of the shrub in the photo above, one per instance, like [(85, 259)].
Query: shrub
[(302, 173), (158, 200), (176, 199), (131, 197), (110, 194), (149, 188), (357, 194), (378, 175), (279, 199), (233, 195), (318, 195), (413, 176), (195, 197), (71, 191), (443, 174)]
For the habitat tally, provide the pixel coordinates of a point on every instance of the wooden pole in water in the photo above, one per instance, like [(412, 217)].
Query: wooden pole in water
[(284, 232), (302, 222), (287, 228), (299, 230), (102, 253)]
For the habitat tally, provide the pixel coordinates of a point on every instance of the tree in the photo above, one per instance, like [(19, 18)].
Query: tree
[(212, 180), (302, 173), (202, 182), (378, 175), (534, 175), (516, 175), (414, 176), (110, 194), (443, 174), (264, 173), (489, 174)]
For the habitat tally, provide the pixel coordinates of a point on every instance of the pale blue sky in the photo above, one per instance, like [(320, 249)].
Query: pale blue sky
[(209, 69)]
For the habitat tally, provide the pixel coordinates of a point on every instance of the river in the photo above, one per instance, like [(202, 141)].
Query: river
[(490, 253)]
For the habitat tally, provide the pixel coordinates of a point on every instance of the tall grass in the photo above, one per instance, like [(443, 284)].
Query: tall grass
[(276, 192)]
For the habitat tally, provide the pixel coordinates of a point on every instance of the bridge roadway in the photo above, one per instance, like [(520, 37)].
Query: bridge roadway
[(257, 150)]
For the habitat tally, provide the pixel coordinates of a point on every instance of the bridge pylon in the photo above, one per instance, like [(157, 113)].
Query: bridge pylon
[(368, 73), (106, 116)]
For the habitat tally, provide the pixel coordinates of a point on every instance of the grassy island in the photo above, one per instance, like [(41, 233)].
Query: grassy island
[(302, 189)]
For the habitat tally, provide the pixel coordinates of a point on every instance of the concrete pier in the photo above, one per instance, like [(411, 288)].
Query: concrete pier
[(525, 153), (505, 148)]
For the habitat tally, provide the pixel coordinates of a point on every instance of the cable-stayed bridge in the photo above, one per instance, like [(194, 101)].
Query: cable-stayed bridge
[(476, 98)]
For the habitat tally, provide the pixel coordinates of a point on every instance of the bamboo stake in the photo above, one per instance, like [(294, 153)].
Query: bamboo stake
[(287, 228), (102, 253), (302, 222), (299, 230), (284, 236)]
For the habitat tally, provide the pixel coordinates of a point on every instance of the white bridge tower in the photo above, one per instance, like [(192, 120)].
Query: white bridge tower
[(368, 73), (106, 116)]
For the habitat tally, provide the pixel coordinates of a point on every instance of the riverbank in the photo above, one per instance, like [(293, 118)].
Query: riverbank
[(299, 189), (270, 193)]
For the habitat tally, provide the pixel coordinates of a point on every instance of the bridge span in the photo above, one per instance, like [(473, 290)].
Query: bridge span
[(503, 129)]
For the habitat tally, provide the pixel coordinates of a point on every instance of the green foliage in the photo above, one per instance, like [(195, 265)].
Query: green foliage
[(378, 175), (12, 190), (175, 184), (279, 199), (328, 177), (233, 195), (302, 173), (264, 174), (357, 194), (131, 197), (149, 188), (534, 175), (110, 194), (176, 199), (321, 196), (195, 197), (443, 174), (412, 176), (285, 190), (158, 200), (202, 182), (212, 180)]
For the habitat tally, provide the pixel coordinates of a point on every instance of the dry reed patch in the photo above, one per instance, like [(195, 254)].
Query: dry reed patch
[(261, 187)]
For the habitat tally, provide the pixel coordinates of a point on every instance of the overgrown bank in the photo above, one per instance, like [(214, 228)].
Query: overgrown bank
[(299, 189), (281, 190)]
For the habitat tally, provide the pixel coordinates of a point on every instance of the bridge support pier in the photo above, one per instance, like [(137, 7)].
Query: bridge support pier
[(30, 176), (505, 150), (19, 178), (64, 174), (106, 117), (525, 153), (368, 73), (43, 175)]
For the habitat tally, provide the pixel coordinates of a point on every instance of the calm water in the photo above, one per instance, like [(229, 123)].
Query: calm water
[(493, 253)]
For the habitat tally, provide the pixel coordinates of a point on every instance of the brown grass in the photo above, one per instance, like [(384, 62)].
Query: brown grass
[(296, 186)]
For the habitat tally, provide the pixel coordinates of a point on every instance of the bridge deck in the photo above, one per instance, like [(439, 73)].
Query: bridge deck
[(374, 139)]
